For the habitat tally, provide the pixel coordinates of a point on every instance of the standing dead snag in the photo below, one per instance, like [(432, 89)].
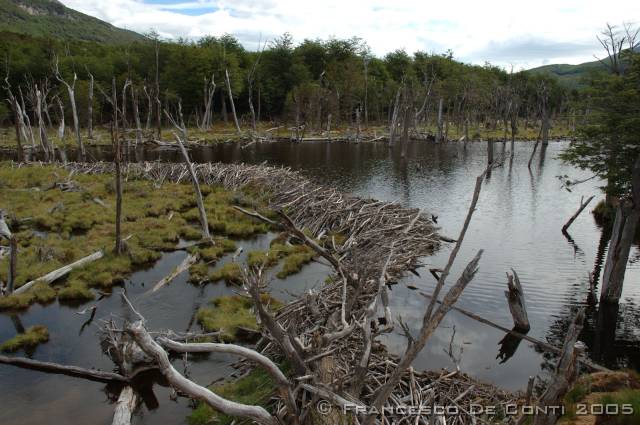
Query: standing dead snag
[(17, 117), (624, 228), (115, 140), (13, 252), (90, 107), (565, 374), (233, 106), (194, 178), (517, 306), (74, 108)]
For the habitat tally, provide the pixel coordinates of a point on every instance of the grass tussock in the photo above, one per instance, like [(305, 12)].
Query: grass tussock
[(254, 389), (230, 313), (39, 293), (28, 340)]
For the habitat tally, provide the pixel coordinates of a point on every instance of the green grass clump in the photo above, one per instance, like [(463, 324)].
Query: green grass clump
[(198, 273), (229, 272), (32, 337), (254, 389), (624, 398), (214, 252), (40, 293), (76, 290), (262, 258), (293, 263), (227, 314)]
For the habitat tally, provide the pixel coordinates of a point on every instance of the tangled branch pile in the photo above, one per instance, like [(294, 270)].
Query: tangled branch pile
[(328, 336)]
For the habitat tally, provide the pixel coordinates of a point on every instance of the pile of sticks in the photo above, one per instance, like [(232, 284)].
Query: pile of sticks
[(328, 336)]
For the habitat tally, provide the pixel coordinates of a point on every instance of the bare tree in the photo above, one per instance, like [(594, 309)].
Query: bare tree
[(74, 109), (613, 42), (233, 106), (90, 107)]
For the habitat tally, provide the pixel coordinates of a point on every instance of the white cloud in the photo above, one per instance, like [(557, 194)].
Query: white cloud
[(504, 32)]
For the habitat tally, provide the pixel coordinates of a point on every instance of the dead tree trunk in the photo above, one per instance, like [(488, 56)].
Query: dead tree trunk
[(136, 114), (156, 92), (622, 235), (517, 306), (440, 134), (90, 108), (5, 232), (49, 153), (394, 119), (181, 132), (74, 108), (233, 106), (565, 375), (489, 152), (115, 141), (17, 118)]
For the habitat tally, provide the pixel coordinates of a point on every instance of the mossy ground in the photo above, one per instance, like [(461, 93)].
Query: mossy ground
[(603, 388), (28, 340), (229, 313), (55, 228)]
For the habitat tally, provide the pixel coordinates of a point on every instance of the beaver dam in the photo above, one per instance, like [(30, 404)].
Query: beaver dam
[(284, 314)]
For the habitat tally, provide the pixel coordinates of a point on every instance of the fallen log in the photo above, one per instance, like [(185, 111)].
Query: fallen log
[(62, 271), (126, 404), (538, 343), (182, 267), (76, 371), (582, 206)]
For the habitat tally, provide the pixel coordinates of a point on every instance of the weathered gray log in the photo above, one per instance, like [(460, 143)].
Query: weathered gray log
[(517, 306), (182, 267), (80, 372), (193, 390), (125, 406), (62, 271), (582, 206), (564, 376)]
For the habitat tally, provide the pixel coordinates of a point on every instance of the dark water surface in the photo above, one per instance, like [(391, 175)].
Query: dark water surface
[(517, 223)]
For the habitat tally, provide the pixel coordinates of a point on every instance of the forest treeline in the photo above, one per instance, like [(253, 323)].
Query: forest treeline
[(317, 83)]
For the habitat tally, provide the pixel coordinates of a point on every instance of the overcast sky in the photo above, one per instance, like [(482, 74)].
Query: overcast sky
[(503, 32)]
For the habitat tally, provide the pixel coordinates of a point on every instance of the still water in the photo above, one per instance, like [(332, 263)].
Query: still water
[(518, 224)]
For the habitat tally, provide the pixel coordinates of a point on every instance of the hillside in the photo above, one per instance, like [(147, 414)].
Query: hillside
[(50, 18), (570, 75)]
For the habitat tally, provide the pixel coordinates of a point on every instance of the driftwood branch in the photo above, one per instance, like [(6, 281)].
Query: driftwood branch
[(76, 371), (582, 206), (182, 267)]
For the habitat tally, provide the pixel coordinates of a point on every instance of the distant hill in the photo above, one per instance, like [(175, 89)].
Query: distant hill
[(570, 75), (50, 18)]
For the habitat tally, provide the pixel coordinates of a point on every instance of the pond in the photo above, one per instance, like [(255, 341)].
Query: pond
[(518, 224)]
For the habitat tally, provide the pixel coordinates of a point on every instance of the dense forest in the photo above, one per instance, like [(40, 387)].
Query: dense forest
[(316, 83)]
